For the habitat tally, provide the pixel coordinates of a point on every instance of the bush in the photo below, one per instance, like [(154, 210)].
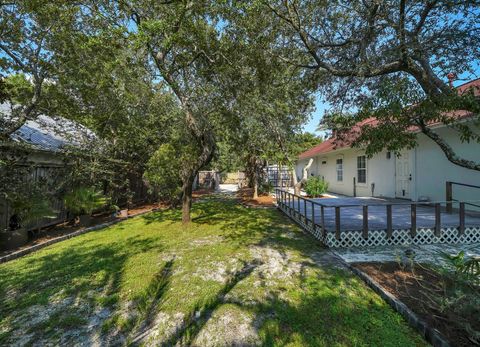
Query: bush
[(163, 173), (459, 297), (266, 188), (30, 208), (84, 200), (315, 186)]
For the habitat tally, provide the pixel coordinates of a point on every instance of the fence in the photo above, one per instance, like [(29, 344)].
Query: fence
[(207, 179), (313, 219), (279, 176), (38, 173), (52, 173)]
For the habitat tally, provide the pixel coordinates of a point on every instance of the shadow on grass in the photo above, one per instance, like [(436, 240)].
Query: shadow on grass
[(203, 311), (328, 307), (331, 307), (75, 274), (148, 301)]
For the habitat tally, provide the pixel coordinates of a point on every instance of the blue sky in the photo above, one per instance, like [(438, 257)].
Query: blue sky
[(321, 106)]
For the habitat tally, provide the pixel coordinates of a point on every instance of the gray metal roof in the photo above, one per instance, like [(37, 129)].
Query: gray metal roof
[(49, 133)]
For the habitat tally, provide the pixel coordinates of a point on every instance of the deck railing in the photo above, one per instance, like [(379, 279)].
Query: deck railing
[(449, 194), (293, 203)]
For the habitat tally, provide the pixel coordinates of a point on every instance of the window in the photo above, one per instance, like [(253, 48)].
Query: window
[(361, 169), (340, 170)]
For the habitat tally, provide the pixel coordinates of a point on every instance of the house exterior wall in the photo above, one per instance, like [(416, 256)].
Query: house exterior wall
[(380, 171), (432, 169), (429, 167)]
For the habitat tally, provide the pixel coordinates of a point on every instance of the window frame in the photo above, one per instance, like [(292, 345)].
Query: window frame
[(337, 171), (364, 169)]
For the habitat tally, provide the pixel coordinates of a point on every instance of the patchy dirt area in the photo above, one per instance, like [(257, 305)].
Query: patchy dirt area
[(241, 277), (246, 197), (416, 287)]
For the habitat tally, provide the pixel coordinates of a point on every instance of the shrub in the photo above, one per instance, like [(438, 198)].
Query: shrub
[(266, 188), (163, 173), (459, 296), (30, 208), (84, 200), (315, 186)]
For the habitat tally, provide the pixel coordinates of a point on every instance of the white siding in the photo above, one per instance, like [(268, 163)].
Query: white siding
[(380, 171), (430, 170), (433, 169)]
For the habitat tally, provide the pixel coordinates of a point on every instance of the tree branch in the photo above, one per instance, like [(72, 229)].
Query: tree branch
[(448, 150)]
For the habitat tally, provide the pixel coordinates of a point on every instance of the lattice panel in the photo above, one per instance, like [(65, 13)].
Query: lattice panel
[(354, 238), (403, 237)]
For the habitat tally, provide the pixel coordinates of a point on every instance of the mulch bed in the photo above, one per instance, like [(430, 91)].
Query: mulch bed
[(246, 197), (415, 290), (202, 192), (62, 229)]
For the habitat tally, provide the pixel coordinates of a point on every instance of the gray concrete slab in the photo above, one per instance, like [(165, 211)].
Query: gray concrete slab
[(352, 216), (423, 253)]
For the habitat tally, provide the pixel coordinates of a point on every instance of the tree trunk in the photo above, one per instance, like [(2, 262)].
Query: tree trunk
[(299, 185), (187, 189), (255, 184), (294, 180)]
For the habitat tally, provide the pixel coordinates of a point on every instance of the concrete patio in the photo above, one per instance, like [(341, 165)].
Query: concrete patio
[(431, 254)]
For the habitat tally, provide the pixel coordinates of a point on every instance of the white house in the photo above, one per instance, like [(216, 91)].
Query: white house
[(417, 174)]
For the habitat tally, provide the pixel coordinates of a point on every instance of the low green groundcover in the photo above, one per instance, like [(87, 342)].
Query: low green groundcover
[(235, 276)]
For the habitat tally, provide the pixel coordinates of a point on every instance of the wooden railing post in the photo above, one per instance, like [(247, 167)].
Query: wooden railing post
[(438, 226), (365, 222), (305, 209), (413, 217), (322, 221), (313, 215), (461, 214), (337, 222), (449, 196), (389, 221)]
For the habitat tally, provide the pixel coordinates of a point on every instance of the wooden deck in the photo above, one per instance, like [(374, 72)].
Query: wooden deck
[(352, 212)]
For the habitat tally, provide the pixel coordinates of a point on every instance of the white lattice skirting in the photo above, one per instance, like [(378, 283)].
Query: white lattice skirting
[(354, 238)]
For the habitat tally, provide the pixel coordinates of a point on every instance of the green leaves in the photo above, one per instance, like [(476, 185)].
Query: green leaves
[(84, 200), (316, 187)]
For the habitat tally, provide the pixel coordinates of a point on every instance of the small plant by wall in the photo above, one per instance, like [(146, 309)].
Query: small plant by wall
[(315, 187)]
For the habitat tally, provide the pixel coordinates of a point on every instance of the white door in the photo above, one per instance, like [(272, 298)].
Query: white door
[(403, 175)]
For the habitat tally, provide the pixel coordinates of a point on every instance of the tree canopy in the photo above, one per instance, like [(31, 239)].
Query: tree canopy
[(383, 57), (182, 85)]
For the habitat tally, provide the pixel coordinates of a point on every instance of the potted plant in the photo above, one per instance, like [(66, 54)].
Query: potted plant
[(82, 202), (118, 212), (27, 209)]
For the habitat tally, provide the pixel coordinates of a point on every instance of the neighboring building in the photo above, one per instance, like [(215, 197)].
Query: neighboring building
[(417, 174), (45, 139)]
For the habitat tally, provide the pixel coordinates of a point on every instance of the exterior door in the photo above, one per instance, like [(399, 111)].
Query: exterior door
[(403, 177)]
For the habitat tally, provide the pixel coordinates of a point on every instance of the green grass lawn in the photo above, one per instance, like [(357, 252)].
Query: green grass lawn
[(234, 276)]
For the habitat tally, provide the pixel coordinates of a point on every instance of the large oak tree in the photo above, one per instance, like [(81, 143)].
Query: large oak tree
[(361, 49)]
